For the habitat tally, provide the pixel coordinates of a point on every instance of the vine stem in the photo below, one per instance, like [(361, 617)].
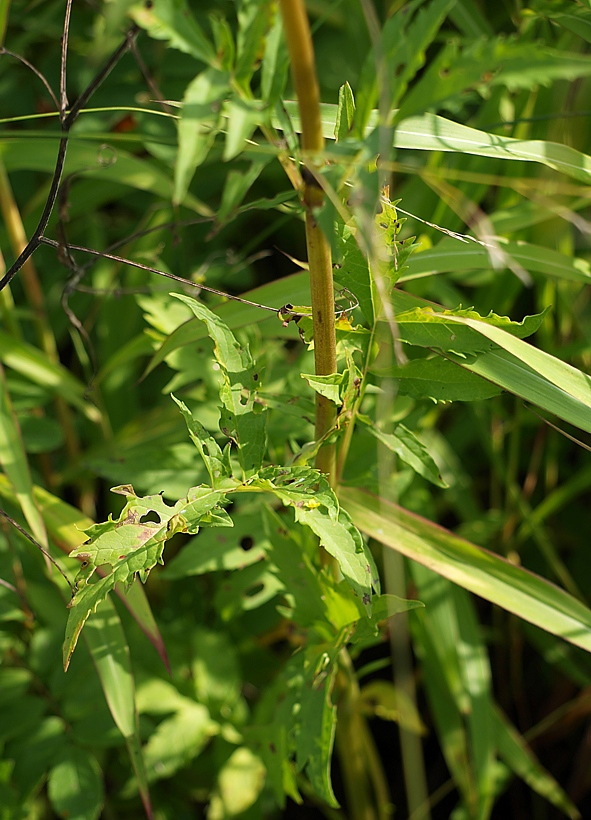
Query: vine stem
[(301, 52)]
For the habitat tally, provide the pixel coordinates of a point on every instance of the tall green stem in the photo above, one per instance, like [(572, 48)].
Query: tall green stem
[(301, 52)]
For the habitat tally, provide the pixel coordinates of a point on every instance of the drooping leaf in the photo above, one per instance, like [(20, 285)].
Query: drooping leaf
[(407, 446), (515, 589), (426, 328), (531, 373), (519, 757)]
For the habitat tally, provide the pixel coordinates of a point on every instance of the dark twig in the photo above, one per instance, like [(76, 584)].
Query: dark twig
[(52, 243), (148, 79), (35, 71), (17, 526), (74, 280), (63, 107), (67, 120), (102, 75)]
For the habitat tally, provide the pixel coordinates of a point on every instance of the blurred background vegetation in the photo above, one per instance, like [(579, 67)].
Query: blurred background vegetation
[(76, 345)]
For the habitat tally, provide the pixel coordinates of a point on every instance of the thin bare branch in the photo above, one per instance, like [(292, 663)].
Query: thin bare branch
[(52, 243), (17, 526), (63, 106), (66, 121), (36, 72), (102, 75)]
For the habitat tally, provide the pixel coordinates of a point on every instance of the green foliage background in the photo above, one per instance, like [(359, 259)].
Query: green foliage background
[(247, 678)]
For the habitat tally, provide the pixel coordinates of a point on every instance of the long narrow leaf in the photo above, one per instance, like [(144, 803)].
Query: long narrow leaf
[(514, 588)]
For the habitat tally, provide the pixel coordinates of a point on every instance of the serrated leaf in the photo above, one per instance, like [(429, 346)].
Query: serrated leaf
[(403, 43), (407, 446), (130, 547), (304, 593), (354, 272), (447, 330), (211, 453), (242, 420), (318, 718), (488, 62), (342, 540)]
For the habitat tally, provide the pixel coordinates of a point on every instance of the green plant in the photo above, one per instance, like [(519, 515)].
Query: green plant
[(370, 418)]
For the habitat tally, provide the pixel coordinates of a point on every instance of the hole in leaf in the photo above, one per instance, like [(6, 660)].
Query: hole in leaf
[(247, 543), (250, 593), (150, 516)]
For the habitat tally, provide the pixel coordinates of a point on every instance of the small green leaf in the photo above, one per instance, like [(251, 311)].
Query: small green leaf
[(75, 786), (407, 446), (345, 112), (240, 781), (327, 386), (178, 740), (254, 20), (242, 117), (172, 20), (384, 700)]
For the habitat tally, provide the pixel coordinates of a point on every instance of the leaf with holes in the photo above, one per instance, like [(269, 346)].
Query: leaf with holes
[(131, 546)]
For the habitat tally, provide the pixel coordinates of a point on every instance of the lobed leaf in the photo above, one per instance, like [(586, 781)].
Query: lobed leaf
[(242, 420), (130, 547)]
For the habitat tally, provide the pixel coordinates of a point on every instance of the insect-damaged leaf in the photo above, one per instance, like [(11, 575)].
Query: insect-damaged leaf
[(130, 546)]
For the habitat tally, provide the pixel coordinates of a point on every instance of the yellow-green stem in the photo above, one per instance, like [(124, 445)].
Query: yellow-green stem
[(299, 42)]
